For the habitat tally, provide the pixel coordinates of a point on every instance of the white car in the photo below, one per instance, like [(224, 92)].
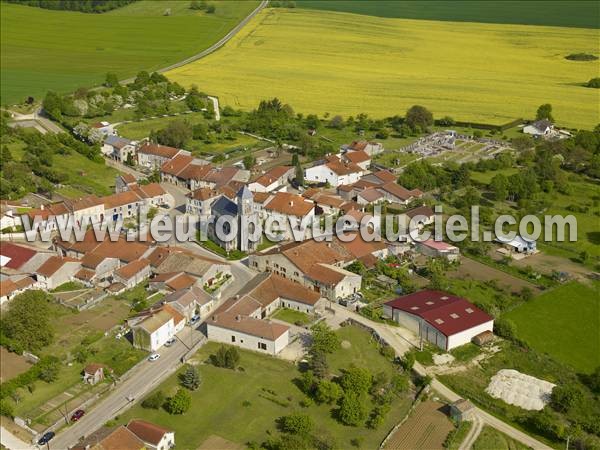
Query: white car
[(153, 357), (170, 342)]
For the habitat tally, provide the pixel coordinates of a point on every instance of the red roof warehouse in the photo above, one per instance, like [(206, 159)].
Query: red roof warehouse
[(443, 319)]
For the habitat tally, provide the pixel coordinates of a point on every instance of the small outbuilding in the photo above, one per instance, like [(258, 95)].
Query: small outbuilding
[(461, 410), (93, 374)]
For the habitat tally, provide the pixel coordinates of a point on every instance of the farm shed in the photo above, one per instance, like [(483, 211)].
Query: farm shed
[(438, 317)]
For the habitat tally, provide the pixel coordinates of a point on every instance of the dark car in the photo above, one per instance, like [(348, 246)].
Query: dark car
[(47, 437), (77, 415)]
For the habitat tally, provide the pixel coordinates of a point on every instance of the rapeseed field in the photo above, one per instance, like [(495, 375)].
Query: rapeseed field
[(341, 63)]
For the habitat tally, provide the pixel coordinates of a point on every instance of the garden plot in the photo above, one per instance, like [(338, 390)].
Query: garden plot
[(519, 389)]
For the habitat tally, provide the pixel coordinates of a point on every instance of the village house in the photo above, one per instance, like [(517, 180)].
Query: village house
[(370, 148), (518, 245), (360, 158), (119, 149), (275, 179), (325, 203), (288, 209), (97, 267), (153, 327), (379, 177), (137, 435), (171, 168), (11, 287), (104, 128), (394, 193), (21, 259), (171, 281), (443, 319), (153, 156), (132, 274), (190, 302), (316, 265), (238, 322), (205, 271), (124, 182), (57, 270), (93, 373), (334, 172), (539, 128), (154, 436), (420, 217), (10, 220), (199, 202), (438, 249)]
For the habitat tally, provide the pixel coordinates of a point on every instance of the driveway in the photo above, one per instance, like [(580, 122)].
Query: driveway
[(11, 442)]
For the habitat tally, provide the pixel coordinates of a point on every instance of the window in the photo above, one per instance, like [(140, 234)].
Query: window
[(262, 346), (232, 338)]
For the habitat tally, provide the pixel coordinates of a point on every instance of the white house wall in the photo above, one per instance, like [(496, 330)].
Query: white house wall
[(246, 341), (464, 337)]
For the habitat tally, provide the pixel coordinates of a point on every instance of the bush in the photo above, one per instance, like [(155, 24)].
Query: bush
[(594, 83), (296, 424), (357, 380), (505, 328), (154, 401), (191, 378), (328, 392), (179, 403), (352, 410), (227, 357)]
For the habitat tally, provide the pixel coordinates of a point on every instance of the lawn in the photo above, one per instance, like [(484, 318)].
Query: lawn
[(62, 50), (403, 62), (292, 316), (564, 323), (557, 13), (491, 438), (459, 434), (242, 406)]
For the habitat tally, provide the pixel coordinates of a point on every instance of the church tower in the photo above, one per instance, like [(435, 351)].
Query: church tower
[(246, 215)]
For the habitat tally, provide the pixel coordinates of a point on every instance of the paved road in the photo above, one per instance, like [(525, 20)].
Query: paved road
[(213, 47), (135, 385), (124, 168), (400, 345)]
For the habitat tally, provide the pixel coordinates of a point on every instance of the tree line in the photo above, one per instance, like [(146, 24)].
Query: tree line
[(86, 6)]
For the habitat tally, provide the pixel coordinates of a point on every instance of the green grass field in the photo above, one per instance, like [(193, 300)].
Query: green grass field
[(292, 316), (470, 71), (218, 406), (45, 50), (491, 438), (582, 14), (564, 323)]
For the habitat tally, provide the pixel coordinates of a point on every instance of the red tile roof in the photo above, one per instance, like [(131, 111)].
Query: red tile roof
[(18, 254), (146, 431), (357, 157), (133, 268), (272, 175), (385, 175), (53, 264), (445, 312), (289, 204), (176, 165), (158, 150)]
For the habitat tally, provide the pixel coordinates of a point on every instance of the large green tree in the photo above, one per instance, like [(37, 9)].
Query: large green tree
[(28, 320), (418, 118)]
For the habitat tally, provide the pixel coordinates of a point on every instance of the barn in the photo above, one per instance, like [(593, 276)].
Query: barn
[(443, 319)]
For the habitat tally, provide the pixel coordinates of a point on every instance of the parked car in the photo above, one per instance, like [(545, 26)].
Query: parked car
[(194, 320), (343, 302), (47, 437), (153, 357), (77, 415), (170, 342)]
